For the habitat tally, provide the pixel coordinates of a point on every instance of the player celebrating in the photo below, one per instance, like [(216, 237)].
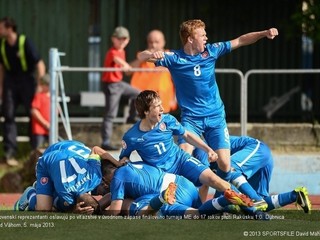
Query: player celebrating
[(152, 137), (192, 69), (66, 170)]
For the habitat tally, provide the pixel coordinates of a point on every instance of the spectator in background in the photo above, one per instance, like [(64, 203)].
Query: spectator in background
[(159, 81), (19, 60), (113, 85), (40, 115)]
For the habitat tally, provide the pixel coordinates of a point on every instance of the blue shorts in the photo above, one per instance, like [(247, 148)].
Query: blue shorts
[(261, 179), (45, 184), (188, 166), (187, 196), (50, 183), (255, 162), (202, 156), (213, 129), (137, 205)]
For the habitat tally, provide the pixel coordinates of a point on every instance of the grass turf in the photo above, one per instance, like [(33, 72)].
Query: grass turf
[(284, 224)]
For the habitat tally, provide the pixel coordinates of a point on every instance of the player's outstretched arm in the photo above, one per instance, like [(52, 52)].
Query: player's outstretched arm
[(103, 154), (150, 56), (252, 37)]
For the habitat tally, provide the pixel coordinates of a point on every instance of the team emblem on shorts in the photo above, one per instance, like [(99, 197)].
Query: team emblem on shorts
[(65, 204), (162, 126), (124, 145), (44, 180)]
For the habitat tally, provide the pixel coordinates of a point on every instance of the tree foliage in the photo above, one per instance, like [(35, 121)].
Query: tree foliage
[(307, 19)]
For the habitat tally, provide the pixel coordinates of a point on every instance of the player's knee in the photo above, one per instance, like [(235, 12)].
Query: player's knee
[(224, 165), (43, 208), (186, 147)]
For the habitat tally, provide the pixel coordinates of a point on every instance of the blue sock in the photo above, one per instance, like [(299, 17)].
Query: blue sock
[(241, 183), (157, 202), (248, 210), (223, 201), (224, 175), (32, 199), (211, 207), (280, 200)]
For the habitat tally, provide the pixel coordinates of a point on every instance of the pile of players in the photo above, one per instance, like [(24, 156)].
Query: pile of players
[(167, 182), (174, 176)]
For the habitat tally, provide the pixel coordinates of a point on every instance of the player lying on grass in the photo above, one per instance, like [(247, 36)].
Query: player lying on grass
[(64, 172), (253, 159)]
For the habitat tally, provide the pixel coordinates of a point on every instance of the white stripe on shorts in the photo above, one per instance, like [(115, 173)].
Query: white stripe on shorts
[(250, 155)]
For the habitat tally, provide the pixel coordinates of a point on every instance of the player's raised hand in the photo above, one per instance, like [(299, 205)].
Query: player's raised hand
[(272, 33), (158, 55)]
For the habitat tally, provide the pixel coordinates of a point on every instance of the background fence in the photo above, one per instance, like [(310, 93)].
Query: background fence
[(82, 29)]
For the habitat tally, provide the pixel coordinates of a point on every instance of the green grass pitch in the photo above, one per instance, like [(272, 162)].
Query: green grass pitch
[(284, 224)]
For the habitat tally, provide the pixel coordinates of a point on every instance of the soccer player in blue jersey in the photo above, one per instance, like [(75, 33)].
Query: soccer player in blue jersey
[(64, 172), (253, 159), (153, 138), (148, 185), (193, 72)]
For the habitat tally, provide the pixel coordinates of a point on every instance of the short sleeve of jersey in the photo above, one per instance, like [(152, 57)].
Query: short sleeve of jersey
[(220, 48), (127, 147), (109, 58), (174, 125), (168, 60)]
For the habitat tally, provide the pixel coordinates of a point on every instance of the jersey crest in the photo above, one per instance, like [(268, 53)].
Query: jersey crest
[(162, 126), (204, 54), (44, 180)]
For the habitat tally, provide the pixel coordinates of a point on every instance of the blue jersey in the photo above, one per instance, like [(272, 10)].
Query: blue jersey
[(254, 160), (155, 147), (70, 144), (250, 157), (194, 78), (249, 154), (136, 180), (68, 172)]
